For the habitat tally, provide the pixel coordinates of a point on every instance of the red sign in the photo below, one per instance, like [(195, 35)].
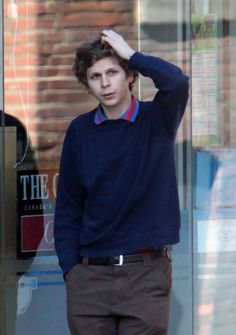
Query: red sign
[(37, 233)]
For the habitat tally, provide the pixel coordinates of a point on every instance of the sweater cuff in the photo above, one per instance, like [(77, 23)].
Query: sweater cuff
[(135, 59)]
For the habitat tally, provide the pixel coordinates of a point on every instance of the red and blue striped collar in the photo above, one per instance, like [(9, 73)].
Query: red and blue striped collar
[(130, 115)]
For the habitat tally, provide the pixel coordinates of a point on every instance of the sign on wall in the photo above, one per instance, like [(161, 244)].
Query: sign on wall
[(36, 203)]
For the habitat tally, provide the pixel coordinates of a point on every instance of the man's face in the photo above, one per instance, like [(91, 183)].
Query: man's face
[(109, 83)]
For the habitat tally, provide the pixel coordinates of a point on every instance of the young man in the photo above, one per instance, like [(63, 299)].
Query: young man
[(117, 206)]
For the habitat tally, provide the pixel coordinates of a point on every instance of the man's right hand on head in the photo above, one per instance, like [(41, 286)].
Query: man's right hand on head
[(117, 42)]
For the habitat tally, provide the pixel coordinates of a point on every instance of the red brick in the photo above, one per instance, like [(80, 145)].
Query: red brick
[(98, 19), (24, 85), (48, 125), (63, 48), (65, 60), (16, 96), (58, 84), (100, 6), (57, 96), (31, 8)]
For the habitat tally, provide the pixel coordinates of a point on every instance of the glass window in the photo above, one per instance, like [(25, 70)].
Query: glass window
[(213, 102), (41, 98), (164, 32)]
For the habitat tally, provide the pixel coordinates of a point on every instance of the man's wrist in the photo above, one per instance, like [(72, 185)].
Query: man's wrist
[(131, 54)]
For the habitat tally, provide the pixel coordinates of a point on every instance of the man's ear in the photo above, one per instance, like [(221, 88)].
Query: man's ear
[(130, 78)]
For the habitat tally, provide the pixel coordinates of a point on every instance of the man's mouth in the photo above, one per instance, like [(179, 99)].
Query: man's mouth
[(108, 95)]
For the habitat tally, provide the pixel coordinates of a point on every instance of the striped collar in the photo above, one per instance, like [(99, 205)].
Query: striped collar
[(130, 115)]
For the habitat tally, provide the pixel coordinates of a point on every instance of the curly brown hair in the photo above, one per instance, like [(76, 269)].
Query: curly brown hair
[(92, 51)]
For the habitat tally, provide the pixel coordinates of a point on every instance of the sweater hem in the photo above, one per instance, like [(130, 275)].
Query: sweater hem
[(153, 239)]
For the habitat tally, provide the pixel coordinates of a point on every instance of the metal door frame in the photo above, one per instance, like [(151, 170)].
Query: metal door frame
[(2, 164)]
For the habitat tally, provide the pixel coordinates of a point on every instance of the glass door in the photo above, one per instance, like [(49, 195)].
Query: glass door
[(41, 97)]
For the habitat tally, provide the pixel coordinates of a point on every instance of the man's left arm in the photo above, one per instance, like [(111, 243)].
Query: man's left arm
[(172, 85), (171, 82)]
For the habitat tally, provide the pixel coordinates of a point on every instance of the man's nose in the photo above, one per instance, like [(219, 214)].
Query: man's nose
[(105, 81)]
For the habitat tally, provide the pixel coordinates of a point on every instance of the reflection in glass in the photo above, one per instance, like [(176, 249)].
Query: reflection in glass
[(213, 70)]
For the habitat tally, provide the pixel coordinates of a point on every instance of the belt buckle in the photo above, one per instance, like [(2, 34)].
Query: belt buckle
[(121, 260)]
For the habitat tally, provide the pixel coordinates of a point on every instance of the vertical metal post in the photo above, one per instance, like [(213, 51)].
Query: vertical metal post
[(189, 12), (225, 130), (2, 213)]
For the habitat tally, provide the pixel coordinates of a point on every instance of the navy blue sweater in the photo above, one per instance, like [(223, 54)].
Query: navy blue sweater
[(117, 189)]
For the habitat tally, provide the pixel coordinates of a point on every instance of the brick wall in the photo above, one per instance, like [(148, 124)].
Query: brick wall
[(40, 42)]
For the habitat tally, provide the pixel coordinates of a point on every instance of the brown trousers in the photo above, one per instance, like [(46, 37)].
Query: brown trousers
[(132, 299)]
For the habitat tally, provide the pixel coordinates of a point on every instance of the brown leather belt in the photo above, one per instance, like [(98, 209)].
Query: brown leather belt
[(123, 259)]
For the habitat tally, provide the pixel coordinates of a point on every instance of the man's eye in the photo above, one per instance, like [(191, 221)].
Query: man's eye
[(112, 72), (94, 76)]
